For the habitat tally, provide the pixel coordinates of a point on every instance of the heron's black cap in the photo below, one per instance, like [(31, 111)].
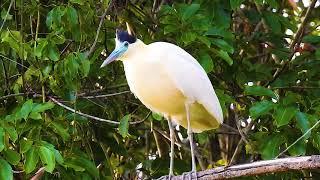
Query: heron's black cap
[(125, 36)]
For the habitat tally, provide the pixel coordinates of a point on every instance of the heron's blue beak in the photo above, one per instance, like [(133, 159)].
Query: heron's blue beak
[(116, 53)]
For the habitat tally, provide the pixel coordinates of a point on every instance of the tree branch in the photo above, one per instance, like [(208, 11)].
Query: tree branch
[(256, 168), (89, 116)]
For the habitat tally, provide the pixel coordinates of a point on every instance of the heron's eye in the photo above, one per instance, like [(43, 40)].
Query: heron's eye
[(126, 44)]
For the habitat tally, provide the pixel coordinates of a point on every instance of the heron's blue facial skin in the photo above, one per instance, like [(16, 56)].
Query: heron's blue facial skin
[(116, 53)]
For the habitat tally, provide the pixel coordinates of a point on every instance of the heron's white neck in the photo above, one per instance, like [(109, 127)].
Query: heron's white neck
[(133, 49)]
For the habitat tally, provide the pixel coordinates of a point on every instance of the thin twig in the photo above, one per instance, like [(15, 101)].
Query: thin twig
[(5, 17), (105, 95), (92, 48), (295, 142), (295, 43), (87, 115)]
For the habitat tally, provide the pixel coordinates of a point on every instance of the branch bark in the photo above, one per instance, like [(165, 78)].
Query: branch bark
[(256, 168)]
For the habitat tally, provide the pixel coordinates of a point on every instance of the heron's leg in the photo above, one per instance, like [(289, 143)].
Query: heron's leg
[(190, 136), (171, 147)]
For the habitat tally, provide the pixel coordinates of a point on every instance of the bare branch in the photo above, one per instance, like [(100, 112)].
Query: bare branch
[(92, 48), (256, 168), (87, 115)]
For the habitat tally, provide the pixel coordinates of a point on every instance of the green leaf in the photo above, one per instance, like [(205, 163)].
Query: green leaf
[(317, 54), (12, 156), (80, 163), (298, 149), (206, 62), (2, 145), (124, 125), (311, 38), (303, 123), (272, 21), (32, 159), (26, 109), (72, 15), (58, 157), (25, 145), (61, 130), (204, 40), (189, 11), (35, 115), (42, 43), (225, 56), (261, 108), (12, 133), (42, 107), (223, 45), (85, 67), (259, 91), (157, 116), (235, 4), (47, 158), (283, 115), (316, 140), (6, 172), (271, 148), (5, 15), (53, 52)]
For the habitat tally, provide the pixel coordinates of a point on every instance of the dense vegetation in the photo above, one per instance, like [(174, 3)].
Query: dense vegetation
[(262, 57)]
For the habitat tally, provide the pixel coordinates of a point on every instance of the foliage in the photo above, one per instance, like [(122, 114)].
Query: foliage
[(263, 81)]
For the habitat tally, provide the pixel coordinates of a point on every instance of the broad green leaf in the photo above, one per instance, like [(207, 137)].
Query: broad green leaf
[(124, 125), (220, 32), (41, 44), (298, 149), (42, 107), (2, 133), (58, 157), (6, 172), (32, 158), (53, 52), (12, 156), (25, 145), (35, 115), (61, 130), (272, 21), (189, 11), (204, 40), (12, 133), (272, 147), (72, 15), (261, 108), (283, 115), (235, 4), (311, 38), (225, 56), (259, 91), (85, 67), (5, 15), (47, 158), (89, 166), (303, 123), (223, 45), (206, 62), (26, 109)]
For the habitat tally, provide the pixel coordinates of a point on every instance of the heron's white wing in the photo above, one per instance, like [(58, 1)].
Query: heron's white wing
[(189, 77)]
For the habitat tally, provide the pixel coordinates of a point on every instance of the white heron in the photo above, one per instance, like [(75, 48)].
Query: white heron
[(169, 81)]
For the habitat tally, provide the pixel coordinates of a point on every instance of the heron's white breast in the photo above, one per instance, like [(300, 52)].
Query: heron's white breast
[(152, 85)]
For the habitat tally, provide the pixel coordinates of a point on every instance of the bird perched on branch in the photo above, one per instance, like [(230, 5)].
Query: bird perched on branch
[(168, 81)]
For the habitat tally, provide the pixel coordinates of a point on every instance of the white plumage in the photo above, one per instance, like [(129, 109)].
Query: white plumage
[(171, 82)]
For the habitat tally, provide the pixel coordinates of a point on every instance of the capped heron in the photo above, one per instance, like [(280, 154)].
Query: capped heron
[(169, 81)]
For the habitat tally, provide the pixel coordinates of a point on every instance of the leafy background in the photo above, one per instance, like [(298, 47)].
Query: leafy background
[(262, 59)]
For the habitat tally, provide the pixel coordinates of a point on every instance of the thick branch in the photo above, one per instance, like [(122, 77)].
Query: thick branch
[(256, 168)]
